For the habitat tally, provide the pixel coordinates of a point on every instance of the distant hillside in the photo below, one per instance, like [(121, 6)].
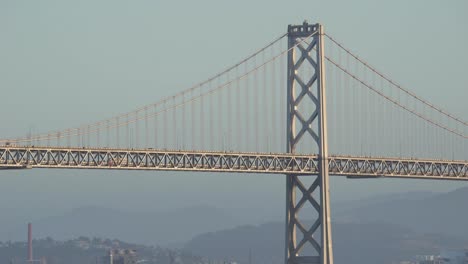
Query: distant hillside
[(379, 229), (144, 228), (84, 250), (344, 207), (421, 212), (445, 213), (353, 243)]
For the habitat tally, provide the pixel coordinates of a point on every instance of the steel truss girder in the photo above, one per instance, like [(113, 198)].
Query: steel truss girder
[(293, 164), (398, 168), (149, 159)]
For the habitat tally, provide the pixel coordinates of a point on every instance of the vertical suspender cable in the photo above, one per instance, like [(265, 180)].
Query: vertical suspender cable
[(272, 100), (117, 131), (146, 128), (127, 133), (184, 127), (248, 114), (400, 126), (202, 121), (192, 112), (221, 115), (411, 128), (355, 112), (98, 136), (238, 111), (340, 103), (381, 118), (174, 124), (220, 130), (359, 110), (156, 132), (365, 141), (78, 138), (395, 124), (282, 94), (165, 125), (347, 105), (211, 110), (229, 118), (372, 120), (68, 138), (137, 130), (107, 133), (88, 136), (265, 134), (256, 102)]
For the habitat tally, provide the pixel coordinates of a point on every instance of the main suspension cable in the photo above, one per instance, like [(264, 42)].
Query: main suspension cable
[(438, 109)]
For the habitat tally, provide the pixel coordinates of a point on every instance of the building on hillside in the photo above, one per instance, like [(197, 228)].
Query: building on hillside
[(120, 256), (454, 256), (22, 261), (445, 257)]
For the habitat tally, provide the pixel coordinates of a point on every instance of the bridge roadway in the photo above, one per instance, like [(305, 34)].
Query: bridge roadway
[(15, 157)]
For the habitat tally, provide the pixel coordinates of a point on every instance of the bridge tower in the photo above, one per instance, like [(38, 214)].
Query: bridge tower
[(307, 196)]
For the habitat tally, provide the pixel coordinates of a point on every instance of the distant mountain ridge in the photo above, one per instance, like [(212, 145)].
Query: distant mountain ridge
[(368, 243), (420, 212), (444, 213), (84, 250), (137, 227)]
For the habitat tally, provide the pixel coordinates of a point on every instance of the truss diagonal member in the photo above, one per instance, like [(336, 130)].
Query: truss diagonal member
[(307, 194), (305, 53), (306, 89), (305, 127), (308, 236)]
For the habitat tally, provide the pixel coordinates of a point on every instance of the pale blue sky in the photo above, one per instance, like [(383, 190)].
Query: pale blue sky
[(64, 63)]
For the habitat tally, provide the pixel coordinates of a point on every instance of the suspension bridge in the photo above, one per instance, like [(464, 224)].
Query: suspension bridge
[(304, 106)]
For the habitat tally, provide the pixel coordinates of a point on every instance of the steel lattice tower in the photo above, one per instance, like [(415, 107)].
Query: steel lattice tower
[(306, 85)]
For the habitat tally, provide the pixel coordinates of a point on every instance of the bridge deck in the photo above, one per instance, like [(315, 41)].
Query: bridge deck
[(12, 157)]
